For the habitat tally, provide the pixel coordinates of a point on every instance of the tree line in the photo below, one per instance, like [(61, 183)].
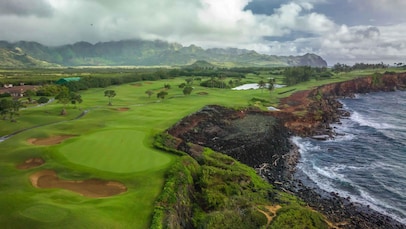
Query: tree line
[(295, 75), (357, 66)]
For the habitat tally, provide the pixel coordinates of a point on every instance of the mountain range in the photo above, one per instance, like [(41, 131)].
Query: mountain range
[(140, 53)]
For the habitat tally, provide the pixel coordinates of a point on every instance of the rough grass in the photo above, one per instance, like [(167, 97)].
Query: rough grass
[(219, 192)]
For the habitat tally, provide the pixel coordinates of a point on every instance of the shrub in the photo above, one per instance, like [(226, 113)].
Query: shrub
[(5, 95), (43, 100)]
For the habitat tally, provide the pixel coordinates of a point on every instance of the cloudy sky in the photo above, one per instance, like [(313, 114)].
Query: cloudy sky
[(345, 31)]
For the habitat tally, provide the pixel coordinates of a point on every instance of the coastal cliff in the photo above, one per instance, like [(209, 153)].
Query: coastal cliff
[(308, 113), (260, 139)]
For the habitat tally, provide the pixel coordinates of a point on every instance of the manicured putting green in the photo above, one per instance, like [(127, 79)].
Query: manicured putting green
[(45, 213), (118, 151)]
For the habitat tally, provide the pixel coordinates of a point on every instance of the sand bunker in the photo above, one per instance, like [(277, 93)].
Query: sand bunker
[(90, 188), (202, 93), (31, 163), (49, 141), (123, 109)]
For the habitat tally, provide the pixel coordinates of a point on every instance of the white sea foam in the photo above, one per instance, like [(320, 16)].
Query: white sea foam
[(304, 145), (364, 121), (377, 205), (322, 179), (342, 136)]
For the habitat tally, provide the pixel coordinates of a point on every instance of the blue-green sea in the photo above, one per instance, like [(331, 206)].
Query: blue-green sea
[(366, 161)]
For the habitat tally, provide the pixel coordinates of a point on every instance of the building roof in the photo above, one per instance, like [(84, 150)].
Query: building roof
[(66, 80)]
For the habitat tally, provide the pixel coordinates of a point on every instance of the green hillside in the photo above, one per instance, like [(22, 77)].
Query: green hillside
[(18, 59), (152, 53)]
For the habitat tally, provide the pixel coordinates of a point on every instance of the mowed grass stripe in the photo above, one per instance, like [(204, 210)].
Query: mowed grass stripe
[(117, 151)]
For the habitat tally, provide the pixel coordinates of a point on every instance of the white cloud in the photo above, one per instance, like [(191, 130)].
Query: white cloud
[(391, 5), (365, 43), (208, 23), (40, 8)]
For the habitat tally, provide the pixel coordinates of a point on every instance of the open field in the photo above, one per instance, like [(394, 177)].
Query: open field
[(109, 143)]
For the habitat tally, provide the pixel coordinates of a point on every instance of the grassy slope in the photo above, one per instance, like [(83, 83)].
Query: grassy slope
[(22, 202)]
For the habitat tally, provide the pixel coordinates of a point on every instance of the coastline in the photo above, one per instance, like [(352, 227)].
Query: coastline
[(335, 207), (267, 146)]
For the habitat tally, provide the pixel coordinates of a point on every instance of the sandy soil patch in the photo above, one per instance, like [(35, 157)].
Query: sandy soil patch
[(90, 188), (123, 109), (136, 84), (31, 163), (202, 93), (49, 141)]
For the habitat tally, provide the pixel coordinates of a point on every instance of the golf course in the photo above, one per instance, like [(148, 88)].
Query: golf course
[(106, 144), (96, 166)]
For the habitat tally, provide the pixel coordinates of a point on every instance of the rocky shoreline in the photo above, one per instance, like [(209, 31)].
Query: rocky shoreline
[(261, 140)]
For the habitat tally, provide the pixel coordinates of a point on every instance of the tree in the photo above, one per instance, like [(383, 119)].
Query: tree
[(261, 85), (222, 77), (15, 107), (295, 75), (189, 81), (271, 84), (42, 100), (110, 94), (231, 83), (149, 93), (64, 98), (50, 90), (162, 94), (212, 81), (187, 90), (29, 94), (5, 106), (75, 98)]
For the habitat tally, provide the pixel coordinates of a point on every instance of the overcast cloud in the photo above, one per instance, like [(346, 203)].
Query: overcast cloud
[(345, 31)]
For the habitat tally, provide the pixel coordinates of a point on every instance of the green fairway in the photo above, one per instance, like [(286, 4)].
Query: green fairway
[(117, 151)]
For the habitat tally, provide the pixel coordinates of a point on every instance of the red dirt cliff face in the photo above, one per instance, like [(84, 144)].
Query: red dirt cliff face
[(387, 82), (310, 112)]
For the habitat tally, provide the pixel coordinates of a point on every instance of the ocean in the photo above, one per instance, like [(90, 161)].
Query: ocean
[(366, 161)]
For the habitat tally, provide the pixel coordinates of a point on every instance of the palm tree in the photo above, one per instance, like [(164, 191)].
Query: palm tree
[(110, 94), (271, 84), (261, 85), (64, 98)]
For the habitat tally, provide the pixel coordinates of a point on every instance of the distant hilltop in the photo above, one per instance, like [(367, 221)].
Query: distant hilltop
[(140, 53)]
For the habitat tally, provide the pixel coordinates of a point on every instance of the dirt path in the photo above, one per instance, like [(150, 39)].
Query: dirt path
[(270, 213)]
